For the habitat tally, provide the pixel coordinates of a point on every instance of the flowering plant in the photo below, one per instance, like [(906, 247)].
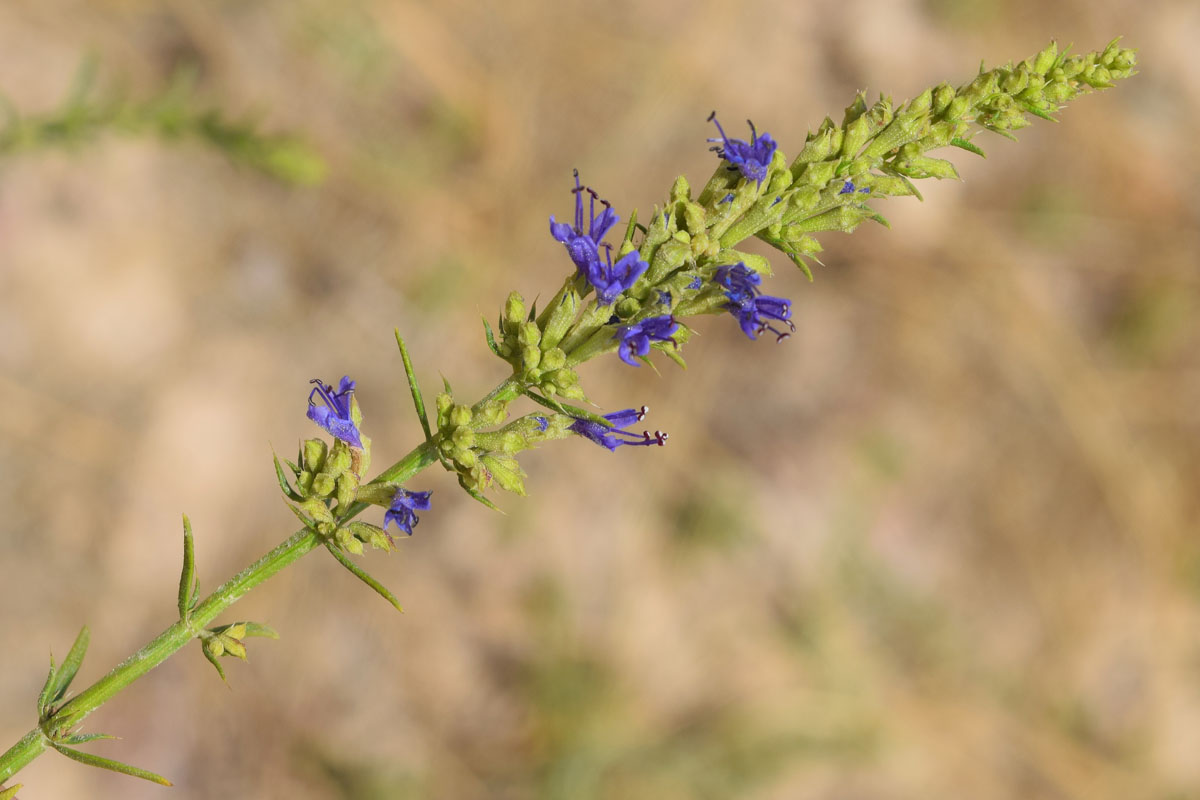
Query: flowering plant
[(682, 262)]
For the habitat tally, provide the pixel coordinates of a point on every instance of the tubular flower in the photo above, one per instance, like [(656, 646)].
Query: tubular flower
[(404, 508), (616, 436), (334, 416), (635, 339), (750, 158), (752, 309), (607, 278)]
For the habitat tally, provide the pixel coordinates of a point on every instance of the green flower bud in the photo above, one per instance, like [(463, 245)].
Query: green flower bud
[(504, 470), (493, 412), (942, 97), (460, 415), (958, 106), (553, 359), (857, 133), (304, 482), (339, 459), (627, 307), (314, 454), (464, 458), (372, 535), (347, 490), (1045, 59), (323, 484), (348, 541), (316, 510), (559, 321), (514, 313), (463, 437), (531, 356), (819, 174), (921, 103), (680, 191), (444, 402), (529, 335)]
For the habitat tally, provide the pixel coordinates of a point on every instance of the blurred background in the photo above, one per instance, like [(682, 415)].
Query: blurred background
[(941, 543)]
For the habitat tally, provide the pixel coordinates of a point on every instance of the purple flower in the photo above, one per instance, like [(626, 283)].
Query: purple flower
[(664, 297), (609, 279), (404, 508), (542, 423), (616, 436), (753, 310), (334, 416), (696, 283), (848, 188), (636, 338), (751, 158)]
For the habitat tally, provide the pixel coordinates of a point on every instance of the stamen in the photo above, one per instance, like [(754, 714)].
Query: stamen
[(642, 412)]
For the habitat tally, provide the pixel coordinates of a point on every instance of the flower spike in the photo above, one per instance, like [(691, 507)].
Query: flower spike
[(751, 158), (335, 416)]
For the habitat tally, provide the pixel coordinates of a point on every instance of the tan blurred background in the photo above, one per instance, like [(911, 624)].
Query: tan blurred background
[(940, 544)]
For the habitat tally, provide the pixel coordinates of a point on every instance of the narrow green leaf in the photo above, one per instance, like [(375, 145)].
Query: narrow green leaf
[(80, 738), (187, 576), (415, 387), (361, 574), (566, 408), (216, 662), (47, 690), (1037, 112), (284, 485), (70, 665), (477, 495), (258, 629), (308, 523), (1001, 131), (11, 792), (491, 337), (968, 146), (800, 262), (93, 760)]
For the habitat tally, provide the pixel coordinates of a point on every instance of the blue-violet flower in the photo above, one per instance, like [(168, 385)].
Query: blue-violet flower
[(607, 278), (404, 508), (751, 158), (752, 309), (334, 416), (636, 338), (616, 436)]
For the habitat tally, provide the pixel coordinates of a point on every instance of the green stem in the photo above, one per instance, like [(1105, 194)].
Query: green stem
[(174, 638)]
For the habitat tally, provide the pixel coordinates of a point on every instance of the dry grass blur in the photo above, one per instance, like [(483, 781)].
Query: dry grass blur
[(942, 543)]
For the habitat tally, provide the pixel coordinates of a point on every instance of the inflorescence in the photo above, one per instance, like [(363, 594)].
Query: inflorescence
[(683, 263)]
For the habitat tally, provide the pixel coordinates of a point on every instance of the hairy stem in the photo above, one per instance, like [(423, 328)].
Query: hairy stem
[(174, 638)]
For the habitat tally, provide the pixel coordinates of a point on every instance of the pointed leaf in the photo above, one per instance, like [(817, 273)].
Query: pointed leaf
[(477, 495), (362, 575), (216, 662), (1037, 112), (284, 485), (70, 665), (11, 792), (968, 146), (258, 629), (413, 386), (187, 576), (80, 738), (47, 689), (491, 337), (567, 408), (93, 760)]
